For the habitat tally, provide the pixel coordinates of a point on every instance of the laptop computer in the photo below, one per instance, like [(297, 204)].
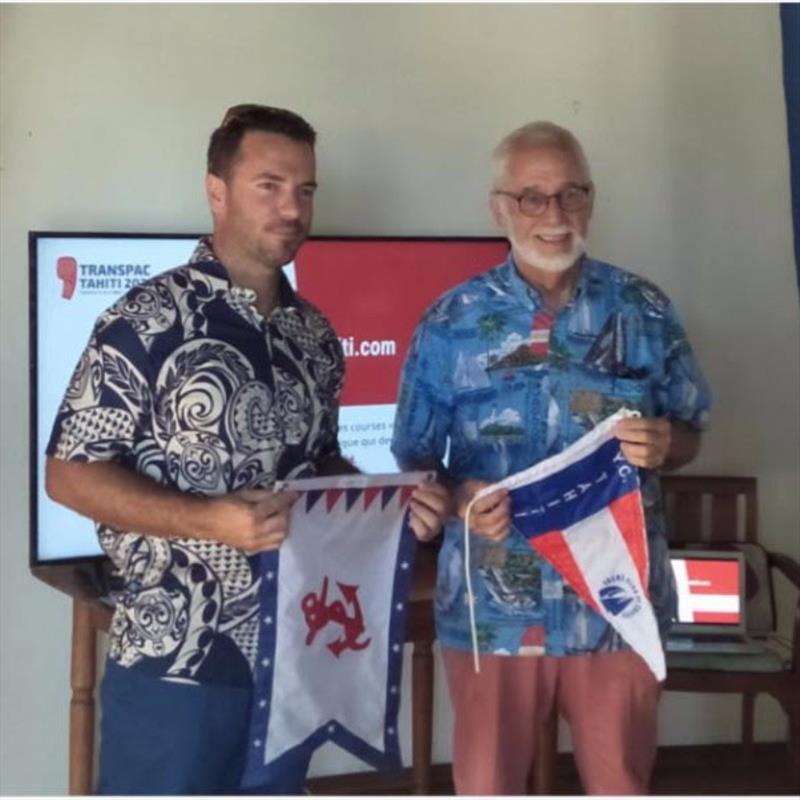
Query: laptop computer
[(711, 603)]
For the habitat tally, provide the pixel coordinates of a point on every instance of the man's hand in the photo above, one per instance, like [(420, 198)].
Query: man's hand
[(490, 517), (645, 441), (431, 504), (253, 520)]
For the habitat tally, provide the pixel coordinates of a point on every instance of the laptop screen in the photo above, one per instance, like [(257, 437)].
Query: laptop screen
[(710, 591)]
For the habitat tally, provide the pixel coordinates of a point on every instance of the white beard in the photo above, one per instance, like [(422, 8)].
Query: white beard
[(529, 252)]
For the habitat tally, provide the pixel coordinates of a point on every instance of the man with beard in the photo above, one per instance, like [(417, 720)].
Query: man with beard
[(196, 392), (506, 370)]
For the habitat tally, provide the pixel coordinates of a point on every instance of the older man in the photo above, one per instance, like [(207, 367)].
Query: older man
[(196, 392), (507, 369)]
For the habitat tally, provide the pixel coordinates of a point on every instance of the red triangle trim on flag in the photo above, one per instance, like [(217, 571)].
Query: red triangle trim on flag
[(331, 496), (405, 493), (370, 493)]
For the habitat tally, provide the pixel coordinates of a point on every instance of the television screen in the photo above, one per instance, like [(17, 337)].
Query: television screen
[(373, 290)]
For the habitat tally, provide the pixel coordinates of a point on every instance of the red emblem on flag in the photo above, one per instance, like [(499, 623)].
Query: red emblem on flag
[(319, 613)]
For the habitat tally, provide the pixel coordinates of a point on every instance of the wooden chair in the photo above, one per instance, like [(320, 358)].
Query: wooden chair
[(721, 513)]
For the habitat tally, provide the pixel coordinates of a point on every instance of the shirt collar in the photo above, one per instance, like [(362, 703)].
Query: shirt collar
[(530, 295), (204, 259)]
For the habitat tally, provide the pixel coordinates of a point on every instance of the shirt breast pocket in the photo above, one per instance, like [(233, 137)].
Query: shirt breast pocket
[(632, 393)]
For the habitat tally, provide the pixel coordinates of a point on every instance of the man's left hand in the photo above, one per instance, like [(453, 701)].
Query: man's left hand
[(430, 506), (645, 441)]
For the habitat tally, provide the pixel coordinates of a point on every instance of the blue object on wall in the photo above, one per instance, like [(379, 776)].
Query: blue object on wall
[(790, 31)]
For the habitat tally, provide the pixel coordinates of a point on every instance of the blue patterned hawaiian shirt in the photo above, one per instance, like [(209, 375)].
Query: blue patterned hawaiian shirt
[(494, 383), (185, 382)]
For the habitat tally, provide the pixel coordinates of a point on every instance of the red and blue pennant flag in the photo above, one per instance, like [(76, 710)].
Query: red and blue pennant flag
[(581, 510), (332, 628)]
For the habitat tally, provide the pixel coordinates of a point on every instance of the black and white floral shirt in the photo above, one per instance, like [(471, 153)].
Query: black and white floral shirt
[(184, 381)]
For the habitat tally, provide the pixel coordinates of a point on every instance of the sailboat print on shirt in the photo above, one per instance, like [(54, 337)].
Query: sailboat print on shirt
[(607, 353)]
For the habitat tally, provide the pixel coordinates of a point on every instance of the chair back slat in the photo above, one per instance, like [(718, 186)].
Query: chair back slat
[(724, 520), (687, 517), (710, 508)]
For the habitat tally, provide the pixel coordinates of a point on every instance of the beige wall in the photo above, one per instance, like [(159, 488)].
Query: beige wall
[(105, 111)]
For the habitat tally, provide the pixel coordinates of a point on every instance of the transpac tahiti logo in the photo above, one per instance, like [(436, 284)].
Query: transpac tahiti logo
[(67, 270), (98, 278), (620, 596)]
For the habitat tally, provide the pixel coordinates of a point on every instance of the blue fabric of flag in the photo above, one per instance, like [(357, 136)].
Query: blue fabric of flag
[(790, 31), (580, 489)]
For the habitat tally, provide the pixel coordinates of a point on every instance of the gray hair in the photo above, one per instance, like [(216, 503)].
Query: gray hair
[(535, 135)]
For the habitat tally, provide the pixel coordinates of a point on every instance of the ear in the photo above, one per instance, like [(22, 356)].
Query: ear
[(498, 212), (216, 190), (591, 199)]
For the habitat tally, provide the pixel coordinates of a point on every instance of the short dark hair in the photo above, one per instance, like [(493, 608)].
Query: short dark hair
[(223, 147)]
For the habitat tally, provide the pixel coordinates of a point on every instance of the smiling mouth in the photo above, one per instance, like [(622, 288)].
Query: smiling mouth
[(557, 238)]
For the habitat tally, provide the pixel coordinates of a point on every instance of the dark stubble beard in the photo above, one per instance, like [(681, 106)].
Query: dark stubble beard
[(274, 256)]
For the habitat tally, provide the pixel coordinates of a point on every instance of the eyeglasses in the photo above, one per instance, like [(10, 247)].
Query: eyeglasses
[(534, 204)]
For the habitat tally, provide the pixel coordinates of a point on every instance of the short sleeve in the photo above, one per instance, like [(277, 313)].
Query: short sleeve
[(108, 399), (424, 405), (683, 393)]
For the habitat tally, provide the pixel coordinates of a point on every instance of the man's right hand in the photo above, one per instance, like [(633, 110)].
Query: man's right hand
[(252, 520), (490, 517)]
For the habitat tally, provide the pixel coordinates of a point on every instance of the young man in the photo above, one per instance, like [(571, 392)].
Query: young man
[(508, 369), (196, 392)]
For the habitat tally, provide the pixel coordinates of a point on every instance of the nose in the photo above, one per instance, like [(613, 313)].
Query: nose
[(553, 214), (290, 205)]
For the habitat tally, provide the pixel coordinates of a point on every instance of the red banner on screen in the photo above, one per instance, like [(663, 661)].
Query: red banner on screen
[(713, 577), (714, 592), (374, 293)]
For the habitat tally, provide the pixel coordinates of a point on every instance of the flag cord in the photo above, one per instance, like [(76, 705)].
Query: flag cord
[(470, 596)]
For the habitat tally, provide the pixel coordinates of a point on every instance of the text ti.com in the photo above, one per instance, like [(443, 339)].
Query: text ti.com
[(353, 347)]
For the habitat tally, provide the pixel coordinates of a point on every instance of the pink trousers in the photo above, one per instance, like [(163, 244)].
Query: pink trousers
[(610, 701)]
